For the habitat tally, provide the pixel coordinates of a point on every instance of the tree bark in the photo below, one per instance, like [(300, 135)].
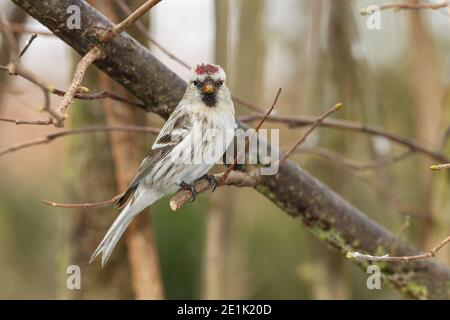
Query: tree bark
[(300, 195)]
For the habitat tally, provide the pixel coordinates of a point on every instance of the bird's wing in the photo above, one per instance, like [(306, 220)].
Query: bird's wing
[(175, 129), (152, 158), (173, 132)]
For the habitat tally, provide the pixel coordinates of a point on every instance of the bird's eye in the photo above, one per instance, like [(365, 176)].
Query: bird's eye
[(220, 82), (195, 83)]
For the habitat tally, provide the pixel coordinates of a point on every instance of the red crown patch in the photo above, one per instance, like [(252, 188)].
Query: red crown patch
[(206, 68)]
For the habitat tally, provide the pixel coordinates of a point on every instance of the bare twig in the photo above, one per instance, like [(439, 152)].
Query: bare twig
[(261, 122), (439, 167), (405, 225), (83, 205), (27, 45), (15, 68), (22, 28), (408, 6), (104, 94), (294, 121), (96, 53), (19, 70), (235, 178), (431, 253), (52, 136), (384, 192), (353, 165), (124, 6), (316, 123), (31, 122), (93, 54), (132, 18)]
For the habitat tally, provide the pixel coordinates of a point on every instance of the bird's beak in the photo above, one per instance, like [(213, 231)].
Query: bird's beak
[(208, 88)]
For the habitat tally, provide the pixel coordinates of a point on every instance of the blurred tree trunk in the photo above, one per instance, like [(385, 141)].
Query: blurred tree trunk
[(90, 177), (250, 53), (336, 80), (128, 150), (428, 93), (17, 16), (221, 213), (247, 80)]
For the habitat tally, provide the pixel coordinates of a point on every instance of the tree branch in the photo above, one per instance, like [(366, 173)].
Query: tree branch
[(93, 54), (408, 6), (52, 136), (234, 178), (321, 210), (295, 121), (430, 254), (316, 123), (97, 53)]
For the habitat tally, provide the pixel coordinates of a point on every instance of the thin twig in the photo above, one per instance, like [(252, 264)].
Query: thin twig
[(18, 70), (96, 53), (124, 6), (31, 122), (406, 5), (132, 18), (93, 54), (431, 253), (27, 45), (405, 225), (353, 165), (22, 28), (261, 122), (295, 121), (316, 123), (439, 167), (381, 190), (83, 205), (52, 136)]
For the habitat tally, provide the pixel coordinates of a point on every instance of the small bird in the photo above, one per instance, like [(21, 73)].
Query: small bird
[(201, 127)]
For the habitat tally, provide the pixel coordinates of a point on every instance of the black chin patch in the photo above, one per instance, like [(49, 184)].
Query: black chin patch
[(209, 99)]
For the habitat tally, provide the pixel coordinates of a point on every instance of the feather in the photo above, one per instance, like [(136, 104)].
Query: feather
[(152, 158), (174, 154), (141, 199)]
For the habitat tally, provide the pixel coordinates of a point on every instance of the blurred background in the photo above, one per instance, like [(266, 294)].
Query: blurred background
[(233, 243)]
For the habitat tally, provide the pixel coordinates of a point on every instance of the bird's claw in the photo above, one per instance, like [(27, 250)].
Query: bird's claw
[(212, 181), (190, 187)]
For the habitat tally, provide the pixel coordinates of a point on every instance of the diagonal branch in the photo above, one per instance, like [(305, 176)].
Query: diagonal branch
[(295, 121), (97, 53), (316, 123), (295, 192)]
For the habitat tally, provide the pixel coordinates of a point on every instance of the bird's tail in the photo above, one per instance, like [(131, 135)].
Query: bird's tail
[(140, 200)]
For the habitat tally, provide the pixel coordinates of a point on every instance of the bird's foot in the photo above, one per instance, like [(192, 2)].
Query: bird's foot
[(190, 187), (212, 181)]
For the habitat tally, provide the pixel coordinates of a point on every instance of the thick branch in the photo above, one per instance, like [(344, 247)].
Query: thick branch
[(330, 217)]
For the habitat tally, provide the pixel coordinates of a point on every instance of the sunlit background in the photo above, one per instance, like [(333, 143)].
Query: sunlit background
[(320, 52)]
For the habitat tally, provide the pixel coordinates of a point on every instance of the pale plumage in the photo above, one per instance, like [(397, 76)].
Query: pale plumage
[(192, 140)]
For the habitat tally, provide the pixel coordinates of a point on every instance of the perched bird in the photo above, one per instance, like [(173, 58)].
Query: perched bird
[(193, 139)]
